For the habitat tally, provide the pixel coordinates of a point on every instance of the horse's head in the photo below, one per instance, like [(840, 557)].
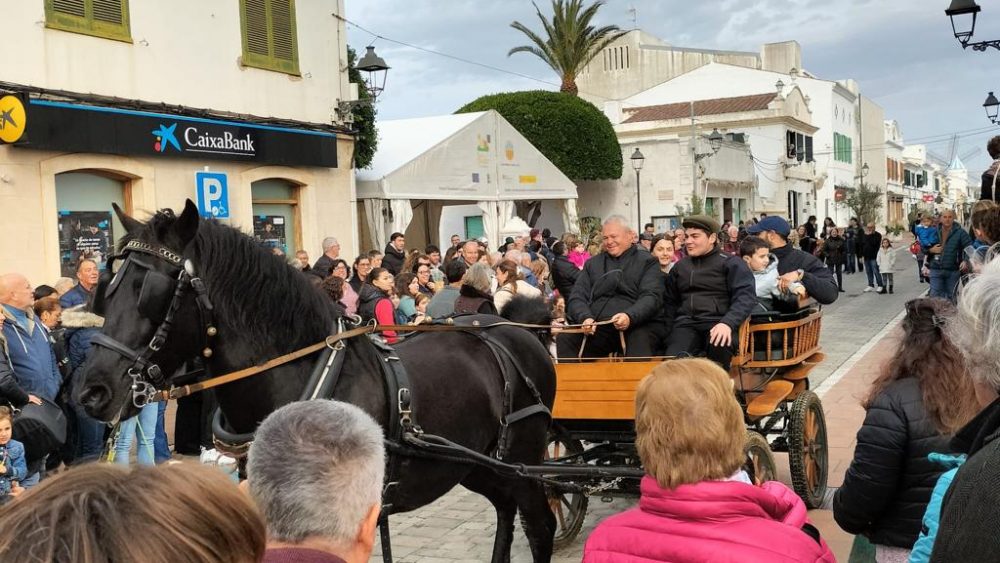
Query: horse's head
[(151, 315)]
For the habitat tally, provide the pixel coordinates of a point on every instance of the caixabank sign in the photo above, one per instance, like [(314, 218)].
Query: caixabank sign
[(76, 127)]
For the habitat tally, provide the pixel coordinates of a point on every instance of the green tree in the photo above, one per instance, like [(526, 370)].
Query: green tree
[(572, 133), (865, 202), (363, 113), (570, 40)]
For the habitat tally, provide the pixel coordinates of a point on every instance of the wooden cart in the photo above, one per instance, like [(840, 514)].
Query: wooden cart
[(592, 443)]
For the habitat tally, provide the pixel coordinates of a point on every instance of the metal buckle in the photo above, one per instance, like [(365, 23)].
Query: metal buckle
[(156, 343), (142, 392)]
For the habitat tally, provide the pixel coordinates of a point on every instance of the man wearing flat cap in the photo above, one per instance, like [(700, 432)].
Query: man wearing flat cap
[(709, 295), (622, 287), (795, 265)]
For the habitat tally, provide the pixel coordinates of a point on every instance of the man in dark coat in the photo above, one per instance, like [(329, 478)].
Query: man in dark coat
[(622, 285), (709, 295), (324, 265), (395, 254), (870, 246), (988, 189), (564, 272), (795, 265)]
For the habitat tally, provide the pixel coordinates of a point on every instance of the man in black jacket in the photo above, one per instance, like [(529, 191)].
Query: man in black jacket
[(395, 254), (622, 285), (323, 265), (988, 189), (564, 272), (709, 295), (795, 265)]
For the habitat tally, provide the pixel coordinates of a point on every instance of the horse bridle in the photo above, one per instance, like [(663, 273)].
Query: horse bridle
[(145, 373)]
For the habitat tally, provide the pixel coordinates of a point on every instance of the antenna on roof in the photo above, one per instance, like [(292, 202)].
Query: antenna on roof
[(634, 13)]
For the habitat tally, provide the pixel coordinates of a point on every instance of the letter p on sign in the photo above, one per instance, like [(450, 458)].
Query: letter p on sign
[(213, 194)]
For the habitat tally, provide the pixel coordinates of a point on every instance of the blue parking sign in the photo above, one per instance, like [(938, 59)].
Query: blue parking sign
[(213, 194)]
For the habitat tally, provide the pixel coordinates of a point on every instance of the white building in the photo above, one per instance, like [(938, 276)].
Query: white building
[(756, 169), (128, 101), (898, 202)]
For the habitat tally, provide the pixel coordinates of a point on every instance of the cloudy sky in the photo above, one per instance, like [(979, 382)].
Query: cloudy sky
[(901, 52)]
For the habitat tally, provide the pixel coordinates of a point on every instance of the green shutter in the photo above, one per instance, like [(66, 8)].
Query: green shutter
[(850, 150), (100, 18), (269, 39), (836, 146)]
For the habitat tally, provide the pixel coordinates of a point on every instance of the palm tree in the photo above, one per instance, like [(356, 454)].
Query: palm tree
[(572, 42)]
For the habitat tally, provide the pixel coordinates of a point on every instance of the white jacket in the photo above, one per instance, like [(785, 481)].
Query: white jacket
[(504, 294), (886, 260)]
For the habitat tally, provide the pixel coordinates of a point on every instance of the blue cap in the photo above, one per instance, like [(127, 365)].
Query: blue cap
[(770, 223)]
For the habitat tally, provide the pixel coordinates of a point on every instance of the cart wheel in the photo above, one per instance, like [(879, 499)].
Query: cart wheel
[(570, 509), (760, 464), (807, 449)]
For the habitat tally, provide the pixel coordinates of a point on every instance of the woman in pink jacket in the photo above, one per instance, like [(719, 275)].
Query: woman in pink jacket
[(697, 504)]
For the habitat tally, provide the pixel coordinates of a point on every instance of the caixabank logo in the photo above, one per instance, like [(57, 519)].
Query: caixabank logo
[(13, 118), (204, 140)]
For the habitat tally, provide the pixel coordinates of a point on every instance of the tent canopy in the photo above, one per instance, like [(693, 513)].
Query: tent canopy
[(461, 157)]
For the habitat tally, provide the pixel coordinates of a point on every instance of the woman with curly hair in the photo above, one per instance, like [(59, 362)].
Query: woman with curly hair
[(923, 396)]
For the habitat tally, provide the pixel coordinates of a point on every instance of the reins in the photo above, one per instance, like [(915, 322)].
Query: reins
[(335, 339)]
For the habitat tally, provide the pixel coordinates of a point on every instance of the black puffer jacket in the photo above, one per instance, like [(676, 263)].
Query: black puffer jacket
[(630, 283), (564, 274), (888, 485), (714, 287), (816, 276), (834, 250), (10, 391)]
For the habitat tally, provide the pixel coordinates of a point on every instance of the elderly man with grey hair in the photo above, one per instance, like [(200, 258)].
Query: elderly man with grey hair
[(315, 469), (622, 285), (331, 252), (967, 529)]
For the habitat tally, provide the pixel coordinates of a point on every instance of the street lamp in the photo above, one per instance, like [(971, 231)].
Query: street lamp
[(964, 31), (373, 65), (864, 170), (715, 140), (637, 162), (992, 106)]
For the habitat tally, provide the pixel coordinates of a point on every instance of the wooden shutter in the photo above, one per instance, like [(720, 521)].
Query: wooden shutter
[(269, 38), (76, 8), (101, 18), (809, 149)]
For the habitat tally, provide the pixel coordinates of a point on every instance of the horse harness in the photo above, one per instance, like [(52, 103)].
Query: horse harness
[(146, 374)]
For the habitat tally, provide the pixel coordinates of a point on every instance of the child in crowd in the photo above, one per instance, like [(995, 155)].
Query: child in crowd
[(927, 234), (13, 468), (420, 302), (757, 254), (886, 261)]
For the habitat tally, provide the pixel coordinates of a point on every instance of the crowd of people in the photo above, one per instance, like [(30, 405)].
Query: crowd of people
[(683, 294)]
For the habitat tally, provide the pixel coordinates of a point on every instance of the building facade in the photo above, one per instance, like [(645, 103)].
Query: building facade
[(146, 104)]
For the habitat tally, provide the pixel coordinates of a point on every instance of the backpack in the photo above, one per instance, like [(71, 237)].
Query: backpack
[(41, 428)]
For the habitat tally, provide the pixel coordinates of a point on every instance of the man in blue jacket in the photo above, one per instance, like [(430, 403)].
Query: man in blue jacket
[(26, 343), (87, 275), (946, 261), (25, 340)]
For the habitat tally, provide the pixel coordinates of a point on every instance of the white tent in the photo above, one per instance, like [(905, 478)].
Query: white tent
[(474, 158)]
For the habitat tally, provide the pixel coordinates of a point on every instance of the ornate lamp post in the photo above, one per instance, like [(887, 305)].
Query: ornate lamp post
[(376, 68), (992, 105), (963, 24), (637, 162)]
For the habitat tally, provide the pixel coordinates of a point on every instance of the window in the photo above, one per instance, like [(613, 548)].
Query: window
[(799, 146), (842, 148), (101, 18), (269, 35)]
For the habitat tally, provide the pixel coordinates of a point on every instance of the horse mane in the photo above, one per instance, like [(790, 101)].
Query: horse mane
[(261, 296)]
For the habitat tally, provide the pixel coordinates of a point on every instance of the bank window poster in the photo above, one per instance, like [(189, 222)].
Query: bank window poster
[(84, 235), (269, 232)]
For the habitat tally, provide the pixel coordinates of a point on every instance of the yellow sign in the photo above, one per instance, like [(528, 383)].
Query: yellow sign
[(12, 119), (526, 179)]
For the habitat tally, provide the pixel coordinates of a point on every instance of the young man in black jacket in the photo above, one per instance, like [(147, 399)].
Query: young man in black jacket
[(622, 285), (795, 265), (709, 295)]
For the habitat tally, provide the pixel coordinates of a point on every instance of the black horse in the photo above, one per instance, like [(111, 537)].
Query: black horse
[(261, 309)]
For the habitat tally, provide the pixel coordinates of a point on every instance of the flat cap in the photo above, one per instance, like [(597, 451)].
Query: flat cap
[(703, 222)]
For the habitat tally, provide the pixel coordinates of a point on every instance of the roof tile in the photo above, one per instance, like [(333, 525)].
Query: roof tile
[(716, 106)]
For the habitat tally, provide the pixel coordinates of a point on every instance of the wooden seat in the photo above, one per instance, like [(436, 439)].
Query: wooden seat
[(599, 390), (774, 393), (802, 370)]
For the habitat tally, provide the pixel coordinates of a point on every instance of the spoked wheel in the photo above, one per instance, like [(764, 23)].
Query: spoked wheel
[(807, 449), (570, 509), (760, 464)]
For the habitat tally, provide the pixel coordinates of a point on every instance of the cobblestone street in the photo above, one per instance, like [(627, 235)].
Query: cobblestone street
[(856, 340)]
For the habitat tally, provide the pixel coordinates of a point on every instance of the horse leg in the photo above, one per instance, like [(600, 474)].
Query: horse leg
[(496, 491), (537, 520), (383, 531)]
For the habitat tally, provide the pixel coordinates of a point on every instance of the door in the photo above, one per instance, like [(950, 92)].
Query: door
[(276, 215), (88, 227)]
